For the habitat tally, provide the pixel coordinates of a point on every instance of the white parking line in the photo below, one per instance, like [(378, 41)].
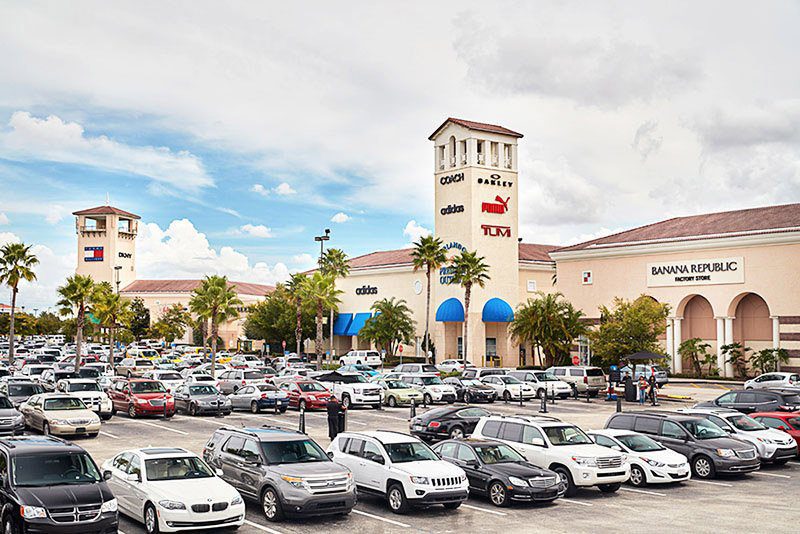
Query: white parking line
[(644, 491), (776, 475), (109, 435), (390, 417), (261, 527), (712, 483), (570, 501), (479, 509), (162, 427), (379, 518)]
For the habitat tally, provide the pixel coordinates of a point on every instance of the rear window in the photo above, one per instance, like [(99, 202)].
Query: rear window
[(791, 399), (576, 372), (647, 425), (253, 375), (594, 372), (624, 422), (427, 368)]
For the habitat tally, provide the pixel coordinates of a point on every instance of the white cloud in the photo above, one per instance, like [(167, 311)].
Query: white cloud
[(646, 141), (414, 231), (3, 218), (256, 230), (259, 189), (304, 261), (53, 139), (284, 189), (340, 218)]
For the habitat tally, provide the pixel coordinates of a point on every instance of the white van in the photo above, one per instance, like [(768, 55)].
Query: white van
[(358, 357)]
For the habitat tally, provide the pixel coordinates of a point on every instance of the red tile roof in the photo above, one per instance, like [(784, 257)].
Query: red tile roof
[(764, 220), (106, 210), (386, 258), (480, 126), (187, 286), (533, 252)]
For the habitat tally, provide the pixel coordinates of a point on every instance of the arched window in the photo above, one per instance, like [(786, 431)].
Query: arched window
[(452, 151)]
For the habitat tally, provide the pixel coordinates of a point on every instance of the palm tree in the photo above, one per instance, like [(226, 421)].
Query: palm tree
[(391, 325), (430, 254), (112, 311), (469, 269), (296, 288), (215, 300), (321, 290), (334, 262), (16, 264), (77, 297), (550, 323)]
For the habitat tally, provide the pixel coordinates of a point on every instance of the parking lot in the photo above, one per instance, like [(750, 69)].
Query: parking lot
[(769, 495)]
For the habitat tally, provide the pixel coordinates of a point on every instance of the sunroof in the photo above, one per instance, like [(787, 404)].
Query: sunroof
[(164, 450)]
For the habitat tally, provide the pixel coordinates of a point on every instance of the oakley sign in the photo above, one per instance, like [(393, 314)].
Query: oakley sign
[(496, 231), (499, 206), (495, 179)]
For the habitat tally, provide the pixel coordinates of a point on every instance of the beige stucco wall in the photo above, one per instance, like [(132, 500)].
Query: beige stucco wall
[(119, 249)]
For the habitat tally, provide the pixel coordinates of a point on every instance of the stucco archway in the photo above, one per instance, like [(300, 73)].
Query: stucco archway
[(752, 325)]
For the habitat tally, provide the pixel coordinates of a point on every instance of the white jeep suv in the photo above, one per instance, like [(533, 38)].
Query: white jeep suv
[(431, 387), (352, 389), (401, 468), (549, 443), (358, 357)]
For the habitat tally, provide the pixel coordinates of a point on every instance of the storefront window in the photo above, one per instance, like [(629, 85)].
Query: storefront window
[(460, 346)]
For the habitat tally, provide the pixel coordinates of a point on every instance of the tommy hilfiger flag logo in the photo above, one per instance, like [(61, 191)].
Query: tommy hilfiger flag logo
[(92, 253), (500, 206)]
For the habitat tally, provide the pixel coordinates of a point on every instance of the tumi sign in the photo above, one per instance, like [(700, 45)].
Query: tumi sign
[(496, 231), (696, 272)]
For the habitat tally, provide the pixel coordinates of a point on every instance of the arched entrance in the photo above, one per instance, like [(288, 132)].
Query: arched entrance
[(698, 322), (752, 326)]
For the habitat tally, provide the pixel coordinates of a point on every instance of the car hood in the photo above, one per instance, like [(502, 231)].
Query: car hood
[(192, 491), (149, 396), (726, 443), (310, 469), (70, 414), (518, 469), (8, 412), (430, 468), (208, 398), (482, 387), (589, 449), (666, 456), (406, 392), (65, 496)]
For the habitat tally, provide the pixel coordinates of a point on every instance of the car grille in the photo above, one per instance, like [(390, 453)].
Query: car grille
[(79, 421), (542, 482), (327, 485), (371, 392), (746, 455), (609, 462), (157, 402), (75, 514), (4, 422), (205, 507), (675, 466), (447, 481)]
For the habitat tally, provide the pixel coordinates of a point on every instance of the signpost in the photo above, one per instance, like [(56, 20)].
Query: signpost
[(576, 360)]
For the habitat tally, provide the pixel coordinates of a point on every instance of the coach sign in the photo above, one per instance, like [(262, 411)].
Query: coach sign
[(696, 272)]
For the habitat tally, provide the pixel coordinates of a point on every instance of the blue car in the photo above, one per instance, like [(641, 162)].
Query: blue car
[(365, 370)]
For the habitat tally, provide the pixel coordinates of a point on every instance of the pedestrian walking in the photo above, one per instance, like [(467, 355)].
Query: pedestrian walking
[(334, 408), (653, 384), (642, 386)]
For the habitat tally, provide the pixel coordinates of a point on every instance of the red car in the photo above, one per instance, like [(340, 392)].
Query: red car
[(308, 394), (140, 396), (789, 422)]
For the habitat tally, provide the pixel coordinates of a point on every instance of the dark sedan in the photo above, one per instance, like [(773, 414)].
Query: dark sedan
[(11, 421), (471, 390), (500, 473), (454, 422), (201, 398), (757, 400)]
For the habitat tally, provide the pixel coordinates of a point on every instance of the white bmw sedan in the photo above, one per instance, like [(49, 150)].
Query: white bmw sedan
[(171, 489)]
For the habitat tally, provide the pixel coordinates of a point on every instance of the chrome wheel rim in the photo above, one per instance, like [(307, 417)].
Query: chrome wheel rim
[(702, 467), (254, 407), (270, 504), (392, 402), (563, 477), (636, 477), (7, 529), (498, 494), (395, 499), (46, 429), (150, 520), (456, 433)]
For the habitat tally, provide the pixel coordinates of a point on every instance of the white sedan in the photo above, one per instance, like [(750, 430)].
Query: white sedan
[(171, 489), (449, 366), (651, 462), (508, 387)]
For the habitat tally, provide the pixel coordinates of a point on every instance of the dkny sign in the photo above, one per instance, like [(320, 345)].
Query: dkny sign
[(496, 180), (367, 290), (126, 255), (452, 178), (452, 208)]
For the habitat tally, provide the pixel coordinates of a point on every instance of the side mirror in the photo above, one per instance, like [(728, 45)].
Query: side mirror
[(539, 442), (133, 477), (330, 454), (377, 458), (473, 464), (617, 448), (219, 472), (106, 475)]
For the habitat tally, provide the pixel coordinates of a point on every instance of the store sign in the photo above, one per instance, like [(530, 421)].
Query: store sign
[(367, 290), (456, 245), (446, 275), (496, 231), (498, 206), (496, 180), (92, 253), (452, 178), (452, 208), (126, 255), (696, 272)]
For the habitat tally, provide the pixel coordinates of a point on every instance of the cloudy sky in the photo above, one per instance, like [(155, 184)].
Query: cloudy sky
[(240, 131)]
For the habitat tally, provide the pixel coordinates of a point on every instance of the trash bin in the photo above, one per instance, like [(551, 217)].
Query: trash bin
[(342, 421), (630, 390)]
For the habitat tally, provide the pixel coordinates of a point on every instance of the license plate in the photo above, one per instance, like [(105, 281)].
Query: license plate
[(80, 430)]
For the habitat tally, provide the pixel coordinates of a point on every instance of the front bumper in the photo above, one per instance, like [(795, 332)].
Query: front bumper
[(783, 452), (370, 400), (438, 497), (537, 494), (307, 504), (224, 407), (481, 395), (176, 520), (13, 429), (442, 397), (315, 404), (69, 429), (149, 409), (592, 476), (106, 524), (663, 475), (736, 465)]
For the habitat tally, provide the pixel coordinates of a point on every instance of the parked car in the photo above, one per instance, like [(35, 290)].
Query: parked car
[(788, 422), (509, 388), (205, 368), (306, 394), (397, 392), (131, 367), (247, 361), (773, 380), (756, 400), (646, 371), (285, 471), (200, 378), (709, 448), (431, 387), (352, 389), (171, 489), (401, 468), (231, 380), (199, 399), (772, 445), (11, 420), (286, 361), (59, 414), (651, 462), (19, 391), (170, 379), (139, 352), (417, 368), (448, 422), (51, 377), (358, 357), (587, 380), (561, 447), (471, 390), (140, 396), (480, 372), (34, 371), (54, 487), (363, 369), (257, 397), (452, 366), (544, 383), (90, 393), (497, 471)]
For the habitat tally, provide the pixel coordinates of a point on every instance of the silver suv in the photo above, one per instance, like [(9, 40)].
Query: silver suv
[(283, 470), (585, 379)]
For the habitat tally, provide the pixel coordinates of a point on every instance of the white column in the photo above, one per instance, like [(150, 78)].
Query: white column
[(670, 344), (677, 343), (728, 341), (720, 343), (776, 332)]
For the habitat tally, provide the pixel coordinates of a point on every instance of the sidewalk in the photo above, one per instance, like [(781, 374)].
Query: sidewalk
[(732, 383)]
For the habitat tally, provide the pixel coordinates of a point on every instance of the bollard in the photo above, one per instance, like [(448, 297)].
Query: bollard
[(543, 409), (276, 405), (219, 408), (344, 422), (619, 404), (553, 397), (302, 427), (165, 405), (413, 413), (520, 396), (424, 400)]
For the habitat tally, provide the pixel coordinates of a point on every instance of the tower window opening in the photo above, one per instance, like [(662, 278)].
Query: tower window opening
[(481, 152), (495, 154), (462, 150), (452, 151)]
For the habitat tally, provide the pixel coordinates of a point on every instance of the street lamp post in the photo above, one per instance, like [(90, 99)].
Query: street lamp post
[(117, 269), (322, 238)]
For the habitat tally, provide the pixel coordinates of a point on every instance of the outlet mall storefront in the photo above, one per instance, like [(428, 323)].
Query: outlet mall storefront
[(727, 277)]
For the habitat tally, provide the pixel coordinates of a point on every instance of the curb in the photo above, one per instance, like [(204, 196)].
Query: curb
[(705, 381)]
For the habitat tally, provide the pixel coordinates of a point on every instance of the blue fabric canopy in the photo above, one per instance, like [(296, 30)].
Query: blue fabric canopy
[(341, 323), (450, 311), (357, 324), (497, 311)]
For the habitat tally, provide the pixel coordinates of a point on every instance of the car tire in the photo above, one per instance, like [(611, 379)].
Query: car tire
[(506, 395), (358, 362), (9, 525), (151, 519), (113, 411), (271, 505), (391, 401), (609, 488), (346, 402), (498, 495), (45, 429), (396, 499), (467, 397), (540, 394), (376, 406), (192, 409), (457, 433), (106, 416), (282, 409), (638, 476), (451, 505), (341, 363), (703, 467), (491, 399), (565, 476), (427, 399), (254, 407), (130, 374), (132, 411)]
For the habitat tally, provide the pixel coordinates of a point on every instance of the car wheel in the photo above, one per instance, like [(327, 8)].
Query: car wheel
[(491, 399), (376, 406), (609, 488), (391, 401), (467, 397), (46, 429), (703, 467), (150, 519), (106, 416), (271, 505), (254, 407), (282, 409), (497, 494), (130, 374), (358, 362), (346, 401), (638, 477), (565, 476), (192, 409), (113, 411), (427, 399), (9, 526), (506, 395), (341, 363), (540, 394), (131, 411), (396, 498), (456, 433)]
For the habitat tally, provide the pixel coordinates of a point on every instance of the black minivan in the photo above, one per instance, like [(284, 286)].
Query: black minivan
[(52, 486), (709, 449)]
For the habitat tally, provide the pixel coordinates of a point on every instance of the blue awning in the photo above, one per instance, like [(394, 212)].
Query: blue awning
[(497, 311), (357, 324), (341, 323), (450, 311)]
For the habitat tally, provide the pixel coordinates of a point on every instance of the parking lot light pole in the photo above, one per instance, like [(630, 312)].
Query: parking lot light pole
[(413, 412)]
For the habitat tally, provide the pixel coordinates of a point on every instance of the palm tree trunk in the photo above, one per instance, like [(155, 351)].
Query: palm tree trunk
[(427, 314), (298, 329), (467, 295), (111, 343), (318, 341), (330, 331), (214, 329), (11, 327), (78, 336)]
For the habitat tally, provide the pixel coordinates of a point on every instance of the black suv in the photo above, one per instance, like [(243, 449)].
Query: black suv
[(708, 448), (759, 400), (52, 486)]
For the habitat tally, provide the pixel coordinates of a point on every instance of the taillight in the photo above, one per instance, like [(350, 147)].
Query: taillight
[(585, 379), (434, 424), (244, 382), (263, 395)]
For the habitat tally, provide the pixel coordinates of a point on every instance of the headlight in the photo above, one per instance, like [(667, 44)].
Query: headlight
[(436, 390), (725, 453), (33, 512), (518, 481), (59, 422), (109, 506), (19, 418), (653, 462), (236, 500), (295, 481), (139, 401), (419, 480), (585, 461), (172, 505)]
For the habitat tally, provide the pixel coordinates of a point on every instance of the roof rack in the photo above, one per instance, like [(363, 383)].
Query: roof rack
[(658, 413), (539, 417)]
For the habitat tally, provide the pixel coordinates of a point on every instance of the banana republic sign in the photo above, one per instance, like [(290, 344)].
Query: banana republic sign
[(696, 272)]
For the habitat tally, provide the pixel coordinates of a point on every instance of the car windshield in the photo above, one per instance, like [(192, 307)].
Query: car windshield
[(149, 386), (64, 403), (144, 363), (508, 379), (293, 452), (791, 399), (703, 429), (53, 469), (169, 376), (495, 454), (254, 375), (744, 423), (266, 387), (5, 404), (83, 386), (88, 372), (24, 390), (414, 451), (546, 377), (432, 380), (396, 384), (310, 386), (566, 435), (639, 443), (203, 390), (176, 469), (471, 382), (594, 372)]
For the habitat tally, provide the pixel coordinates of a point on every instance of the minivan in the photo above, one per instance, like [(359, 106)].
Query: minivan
[(585, 379)]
